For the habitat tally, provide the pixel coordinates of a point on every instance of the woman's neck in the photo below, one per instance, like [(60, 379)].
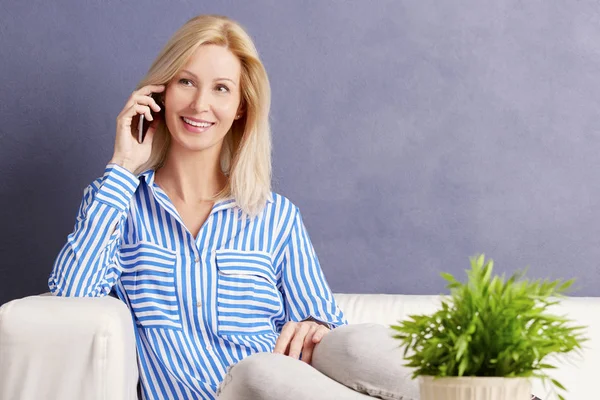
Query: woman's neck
[(190, 177)]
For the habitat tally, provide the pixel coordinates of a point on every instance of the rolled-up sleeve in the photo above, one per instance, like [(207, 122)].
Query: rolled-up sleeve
[(88, 263), (305, 290)]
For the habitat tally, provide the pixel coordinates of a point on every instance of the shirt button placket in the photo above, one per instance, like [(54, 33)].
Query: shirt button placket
[(197, 261)]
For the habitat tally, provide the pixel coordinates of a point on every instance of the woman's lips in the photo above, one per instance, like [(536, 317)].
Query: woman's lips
[(198, 127)]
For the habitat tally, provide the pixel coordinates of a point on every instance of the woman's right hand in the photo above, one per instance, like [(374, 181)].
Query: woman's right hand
[(129, 153)]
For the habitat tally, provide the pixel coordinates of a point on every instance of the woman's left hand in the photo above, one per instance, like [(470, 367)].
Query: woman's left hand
[(300, 337)]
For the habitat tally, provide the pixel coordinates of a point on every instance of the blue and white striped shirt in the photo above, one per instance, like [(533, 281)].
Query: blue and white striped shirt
[(199, 304)]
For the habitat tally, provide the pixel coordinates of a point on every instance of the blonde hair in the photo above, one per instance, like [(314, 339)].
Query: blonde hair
[(246, 151)]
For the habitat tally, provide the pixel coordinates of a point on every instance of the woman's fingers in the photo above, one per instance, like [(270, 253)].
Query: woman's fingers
[(138, 109), (144, 96), (154, 105), (127, 146), (147, 101), (298, 340), (285, 337), (309, 345), (149, 89), (144, 110), (322, 331)]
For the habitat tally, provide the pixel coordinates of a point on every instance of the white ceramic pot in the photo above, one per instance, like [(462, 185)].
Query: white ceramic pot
[(474, 388)]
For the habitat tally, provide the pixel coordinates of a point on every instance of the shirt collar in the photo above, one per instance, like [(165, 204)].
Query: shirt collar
[(148, 176)]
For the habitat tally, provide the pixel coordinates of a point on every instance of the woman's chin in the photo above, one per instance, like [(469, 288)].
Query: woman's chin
[(196, 144)]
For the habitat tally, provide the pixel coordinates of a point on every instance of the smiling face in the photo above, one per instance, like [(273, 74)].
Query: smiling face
[(202, 100)]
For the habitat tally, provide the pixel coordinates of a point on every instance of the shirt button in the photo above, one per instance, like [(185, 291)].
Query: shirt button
[(209, 347), (197, 259), (199, 304)]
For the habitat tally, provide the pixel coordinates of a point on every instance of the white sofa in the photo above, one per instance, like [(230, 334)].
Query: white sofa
[(84, 348)]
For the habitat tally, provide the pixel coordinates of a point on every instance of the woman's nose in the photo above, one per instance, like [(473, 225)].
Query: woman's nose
[(201, 101)]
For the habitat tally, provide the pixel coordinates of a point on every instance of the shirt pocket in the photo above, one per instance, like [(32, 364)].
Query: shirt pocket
[(149, 281), (248, 301)]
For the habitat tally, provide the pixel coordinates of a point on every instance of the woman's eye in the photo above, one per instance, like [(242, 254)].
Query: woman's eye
[(184, 81), (222, 89)]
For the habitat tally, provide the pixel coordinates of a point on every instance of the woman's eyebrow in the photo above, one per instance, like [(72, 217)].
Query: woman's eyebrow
[(216, 79)]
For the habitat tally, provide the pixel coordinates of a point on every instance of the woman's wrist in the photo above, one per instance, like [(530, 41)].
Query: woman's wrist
[(123, 163)]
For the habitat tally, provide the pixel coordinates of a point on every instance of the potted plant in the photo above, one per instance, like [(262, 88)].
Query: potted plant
[(489, 337)]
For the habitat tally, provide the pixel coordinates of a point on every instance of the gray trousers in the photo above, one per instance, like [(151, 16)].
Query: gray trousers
[(352, 362)]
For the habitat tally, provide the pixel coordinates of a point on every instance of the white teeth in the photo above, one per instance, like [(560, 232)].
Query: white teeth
[(198, 124)]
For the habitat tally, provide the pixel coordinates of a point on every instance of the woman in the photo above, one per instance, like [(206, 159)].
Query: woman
[(185, 229)]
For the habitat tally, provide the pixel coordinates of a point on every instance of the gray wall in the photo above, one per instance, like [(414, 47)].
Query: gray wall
[(411, 134)]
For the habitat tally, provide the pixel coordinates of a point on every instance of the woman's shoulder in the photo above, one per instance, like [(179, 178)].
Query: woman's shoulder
[(280, 206), (280, 201)]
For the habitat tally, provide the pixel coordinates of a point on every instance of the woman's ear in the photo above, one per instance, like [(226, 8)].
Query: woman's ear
[(241, 110)]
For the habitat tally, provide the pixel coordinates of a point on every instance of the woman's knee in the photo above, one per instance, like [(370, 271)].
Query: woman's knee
[(366, 358), (352, 343)]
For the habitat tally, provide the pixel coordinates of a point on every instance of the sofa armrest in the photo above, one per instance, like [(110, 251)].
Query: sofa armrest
[(67, 348)]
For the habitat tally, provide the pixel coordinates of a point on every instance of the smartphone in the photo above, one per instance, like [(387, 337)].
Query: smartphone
[(143, 123)]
